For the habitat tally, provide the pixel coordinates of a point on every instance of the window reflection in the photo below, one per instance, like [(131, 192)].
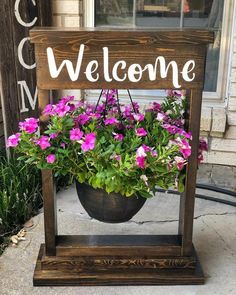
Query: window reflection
[(158, 13), (114, 13), (172, 14)]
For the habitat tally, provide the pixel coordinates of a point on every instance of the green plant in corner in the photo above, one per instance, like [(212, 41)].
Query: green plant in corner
[(20, 195)]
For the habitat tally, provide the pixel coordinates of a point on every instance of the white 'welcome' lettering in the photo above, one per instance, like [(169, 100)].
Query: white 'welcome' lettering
[(134, 72)]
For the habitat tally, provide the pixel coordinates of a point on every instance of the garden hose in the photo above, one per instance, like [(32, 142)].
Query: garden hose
[(207, 187)]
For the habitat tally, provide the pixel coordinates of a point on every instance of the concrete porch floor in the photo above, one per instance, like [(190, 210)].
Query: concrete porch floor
[(214, 239)]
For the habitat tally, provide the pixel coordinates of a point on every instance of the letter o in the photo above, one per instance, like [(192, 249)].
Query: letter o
[(20, 56)]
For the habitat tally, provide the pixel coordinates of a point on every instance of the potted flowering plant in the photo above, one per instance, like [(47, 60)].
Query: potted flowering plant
[(116, 153)]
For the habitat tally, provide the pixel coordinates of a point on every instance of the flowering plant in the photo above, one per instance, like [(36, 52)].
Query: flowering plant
[(115, 147)]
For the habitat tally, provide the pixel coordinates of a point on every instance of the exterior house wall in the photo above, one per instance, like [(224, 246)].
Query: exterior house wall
[(218, 123), (222, 133)]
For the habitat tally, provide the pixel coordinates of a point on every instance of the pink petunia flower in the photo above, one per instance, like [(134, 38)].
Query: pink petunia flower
[(111, 121), (95, 115), (76, 134), (30, 125), (119, 137), (172, 129), (146, 148), (140, 162), (118, 158), (13, 140), (187, 135), (54, 135), (141, 132), (89, 142), (51, 159), (141, 151), (62, 109), (160, 117), (180, 162), (138, 117), (66, 99), (184, 148), (43, 142), (155, 106), (82, 119), (49, 110), (174, 93), (127, 111)]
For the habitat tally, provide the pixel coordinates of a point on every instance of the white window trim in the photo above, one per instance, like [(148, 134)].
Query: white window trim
[(218, 98)]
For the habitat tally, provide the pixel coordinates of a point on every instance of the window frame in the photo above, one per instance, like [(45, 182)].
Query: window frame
[(218, 98)]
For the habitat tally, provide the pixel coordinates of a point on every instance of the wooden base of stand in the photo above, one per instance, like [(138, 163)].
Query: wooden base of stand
[(115, 265)]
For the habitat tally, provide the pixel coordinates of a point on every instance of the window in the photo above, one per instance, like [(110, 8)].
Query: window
[(216, 15)]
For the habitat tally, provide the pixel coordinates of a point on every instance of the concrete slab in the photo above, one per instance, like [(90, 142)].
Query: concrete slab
[(214, 238)]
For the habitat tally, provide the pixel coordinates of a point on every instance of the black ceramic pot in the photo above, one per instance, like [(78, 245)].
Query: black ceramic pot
[(112, 208)]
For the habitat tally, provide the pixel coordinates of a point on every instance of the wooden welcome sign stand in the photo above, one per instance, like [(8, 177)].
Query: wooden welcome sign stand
[(176, 58)]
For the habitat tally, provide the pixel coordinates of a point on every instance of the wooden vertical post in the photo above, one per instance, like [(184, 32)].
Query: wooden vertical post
[(50, 216), (188, 197), (49, 200)]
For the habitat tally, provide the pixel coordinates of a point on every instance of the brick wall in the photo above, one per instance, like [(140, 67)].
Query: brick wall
[(67, 13)]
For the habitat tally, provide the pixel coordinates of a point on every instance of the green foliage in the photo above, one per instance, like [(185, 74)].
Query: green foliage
[(100, 166), (20, 193)]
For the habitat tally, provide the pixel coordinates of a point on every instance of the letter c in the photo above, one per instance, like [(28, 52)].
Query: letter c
[(18, 17)]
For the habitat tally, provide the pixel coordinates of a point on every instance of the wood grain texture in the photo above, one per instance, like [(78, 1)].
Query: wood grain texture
[(115, 276), (119, 36), (187, 199), (50, 209), (136, 46), (118, 245)]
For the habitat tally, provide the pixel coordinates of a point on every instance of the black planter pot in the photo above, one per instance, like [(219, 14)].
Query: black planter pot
[(111, 208)]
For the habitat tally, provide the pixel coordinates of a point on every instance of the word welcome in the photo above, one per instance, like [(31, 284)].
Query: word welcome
[(24, 88), (133, 72)]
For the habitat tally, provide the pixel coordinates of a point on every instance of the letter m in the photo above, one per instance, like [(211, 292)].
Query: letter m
[(24, 90)]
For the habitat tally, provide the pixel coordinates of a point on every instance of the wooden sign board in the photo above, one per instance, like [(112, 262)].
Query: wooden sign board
[(17, 62), (120, 59), (134, 59)]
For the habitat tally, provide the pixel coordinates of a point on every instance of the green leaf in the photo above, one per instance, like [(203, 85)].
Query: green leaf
[(145, 194)]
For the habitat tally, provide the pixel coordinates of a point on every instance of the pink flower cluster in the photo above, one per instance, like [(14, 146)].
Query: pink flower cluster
[(184, 147), (43, 142), (61, 109), (141, 155), (13, 140), (88, 143), (30, 125)]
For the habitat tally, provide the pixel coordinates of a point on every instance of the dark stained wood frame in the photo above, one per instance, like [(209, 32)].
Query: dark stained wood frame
[(121, 260), (11, 70)]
